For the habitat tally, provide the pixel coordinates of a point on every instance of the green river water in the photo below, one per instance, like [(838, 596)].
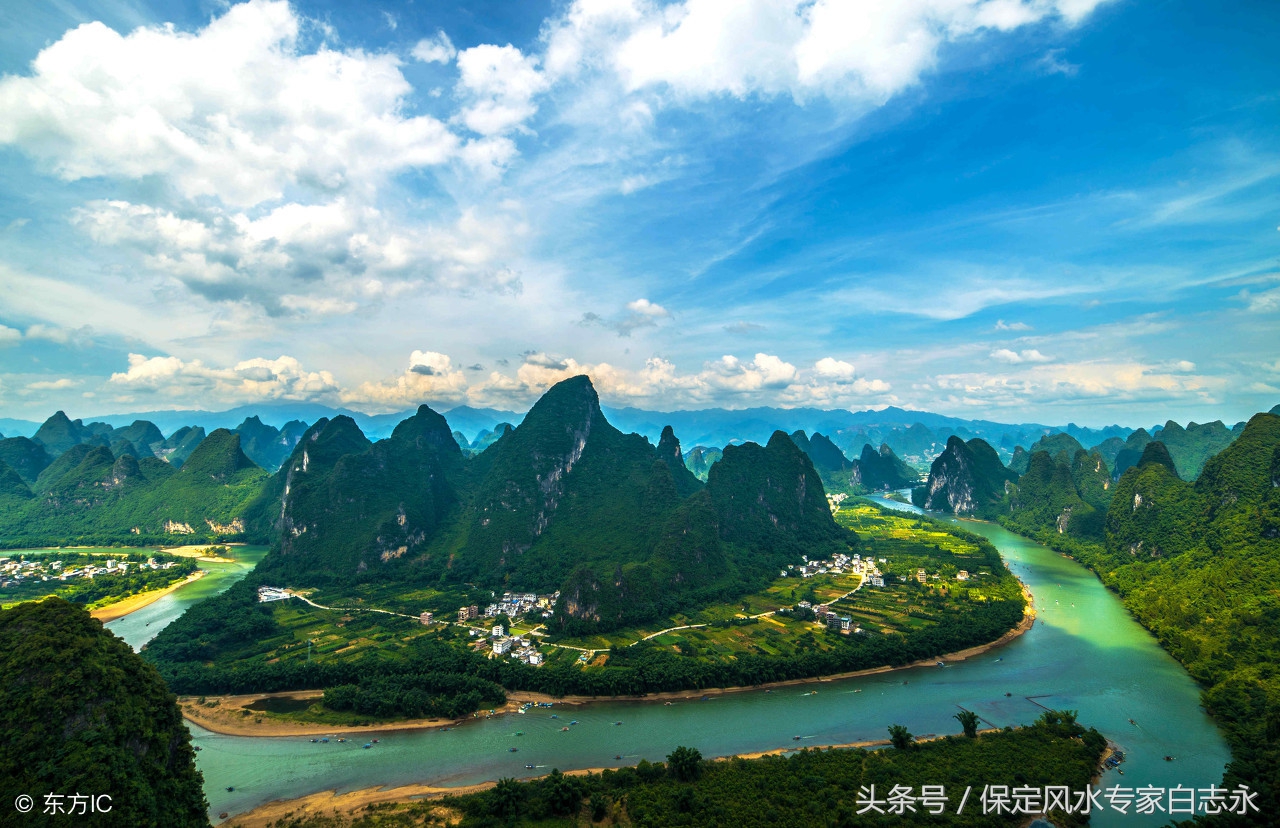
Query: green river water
[(1084, 653)]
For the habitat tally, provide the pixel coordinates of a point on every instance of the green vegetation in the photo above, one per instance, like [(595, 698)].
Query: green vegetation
[(1198, 564), (967, 478), (104, 588), (81, 713), (233, 644), (90, 496), (810, 787)]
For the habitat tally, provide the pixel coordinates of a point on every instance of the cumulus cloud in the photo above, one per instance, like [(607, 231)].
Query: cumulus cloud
[(430, 377), (235, 110), (9, 336), (500, 83), (251, 380), (438, 49), (861, 51), (52, 385), (726, 381), (296, 257), (1017, 357)]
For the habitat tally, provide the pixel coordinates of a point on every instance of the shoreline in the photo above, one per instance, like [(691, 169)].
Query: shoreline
[(133, 603), (516, 698), (330, 801)]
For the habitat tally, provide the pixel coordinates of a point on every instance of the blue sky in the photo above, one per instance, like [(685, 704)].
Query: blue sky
[(1053, 210)]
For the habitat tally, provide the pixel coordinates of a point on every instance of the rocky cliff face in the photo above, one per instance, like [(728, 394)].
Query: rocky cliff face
[(966, 479)]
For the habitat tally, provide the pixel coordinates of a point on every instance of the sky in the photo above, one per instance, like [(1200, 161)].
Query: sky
[(1020, 210)]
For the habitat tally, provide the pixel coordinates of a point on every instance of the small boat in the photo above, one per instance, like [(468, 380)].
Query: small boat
[(795, 738), (555, 715), (325, 740), (367, 745), (618, 757), (223, 815), (528, 767), (615, 724), (197, 747), (315, 740), (1008, 694), (230, 788), (519, 732), (1132, 722), (574, 722), (942, 664), (512, 750), (375, 741), (564, 730), (859, 690), (666, 704), (341, 741), (1001, 658), (1168, 758)]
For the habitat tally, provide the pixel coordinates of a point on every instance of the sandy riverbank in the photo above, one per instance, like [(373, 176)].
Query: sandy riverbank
[(231, 716), (227, 719), (136, 602)]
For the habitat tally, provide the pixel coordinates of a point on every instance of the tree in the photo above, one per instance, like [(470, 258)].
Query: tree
[(563, 795), (508, 797), (900, 736), (684, 764), (969, 721)]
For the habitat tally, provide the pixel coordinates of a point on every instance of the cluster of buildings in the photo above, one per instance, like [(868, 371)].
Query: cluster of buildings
[(839, 564), (514, 646), (13, 572), (517, 604), (270, 593), (833, 620)]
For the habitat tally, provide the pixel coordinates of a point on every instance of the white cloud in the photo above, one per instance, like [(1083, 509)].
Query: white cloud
[(234, 111), (52, 385), (500, 83), (1001, 325), (315, 258), (864, 52), (1267, 301), (438, 49), (251, 380), (1115, 382), (430, 378), (9, 336), (1015, 357)]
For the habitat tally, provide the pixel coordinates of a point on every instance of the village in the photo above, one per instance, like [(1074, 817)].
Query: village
[(14, 572)]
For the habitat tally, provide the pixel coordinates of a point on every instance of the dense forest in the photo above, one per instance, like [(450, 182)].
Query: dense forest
[(80, 713)]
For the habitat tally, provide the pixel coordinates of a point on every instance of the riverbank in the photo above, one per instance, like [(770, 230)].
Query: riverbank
[(350, 803), (232, 716), (136, 602), (226, 717)]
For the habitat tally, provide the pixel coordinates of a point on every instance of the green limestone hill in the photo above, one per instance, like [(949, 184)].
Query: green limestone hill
[(881, 470), (377, 503), (1153, 513), (179, 445), (88, 495), (1051, 443), (59, 433), (564, 502), (81, 712), (967, 478), (141, 436), (700, 459), (1190, 447), (266, 445), (26, 457), (12, 486), (1068, 497)]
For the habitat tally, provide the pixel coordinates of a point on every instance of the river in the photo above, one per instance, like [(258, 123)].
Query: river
[(1084, 653)]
